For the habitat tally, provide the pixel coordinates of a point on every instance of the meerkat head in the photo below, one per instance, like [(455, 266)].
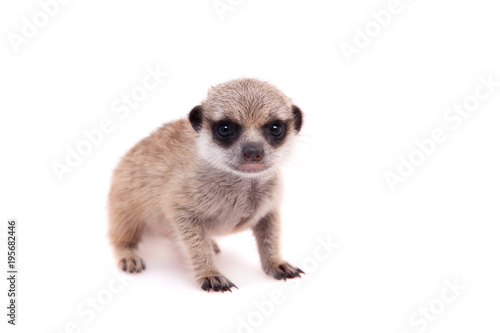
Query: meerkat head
[(246, 126)]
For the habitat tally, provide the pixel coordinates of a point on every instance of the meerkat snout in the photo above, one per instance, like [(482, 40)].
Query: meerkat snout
[(214, 173), (253, 152)]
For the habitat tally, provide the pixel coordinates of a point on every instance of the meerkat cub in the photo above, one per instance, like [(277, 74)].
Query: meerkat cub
[(215, 173)]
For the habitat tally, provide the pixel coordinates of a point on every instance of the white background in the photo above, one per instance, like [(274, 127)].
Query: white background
[(397, 248)]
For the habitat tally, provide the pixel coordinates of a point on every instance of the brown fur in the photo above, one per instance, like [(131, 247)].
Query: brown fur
[(181, 184)]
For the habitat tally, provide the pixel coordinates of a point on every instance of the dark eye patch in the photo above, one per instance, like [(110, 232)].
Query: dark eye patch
[(275, 131), (225, 132)]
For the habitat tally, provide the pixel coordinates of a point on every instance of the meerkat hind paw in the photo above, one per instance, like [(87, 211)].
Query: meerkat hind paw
[(215, 247), (132, 264)]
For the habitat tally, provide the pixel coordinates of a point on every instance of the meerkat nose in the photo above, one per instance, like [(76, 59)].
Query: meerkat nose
[(253, 152)]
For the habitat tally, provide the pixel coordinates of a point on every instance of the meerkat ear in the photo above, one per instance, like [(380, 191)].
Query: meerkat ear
[(297, 117), (195, 117)]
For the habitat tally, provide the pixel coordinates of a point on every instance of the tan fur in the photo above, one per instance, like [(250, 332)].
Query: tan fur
[(181, 184)]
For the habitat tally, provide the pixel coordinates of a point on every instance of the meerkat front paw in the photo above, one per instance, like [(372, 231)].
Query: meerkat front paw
[(216, 283), (283, 271), (132, 264)]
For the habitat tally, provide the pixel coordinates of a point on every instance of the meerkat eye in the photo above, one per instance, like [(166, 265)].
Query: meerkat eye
[(277, 129), (225, 130)]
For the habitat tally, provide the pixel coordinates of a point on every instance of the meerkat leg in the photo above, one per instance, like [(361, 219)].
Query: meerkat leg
[(125, 236), (267, 233), (200, 251)]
